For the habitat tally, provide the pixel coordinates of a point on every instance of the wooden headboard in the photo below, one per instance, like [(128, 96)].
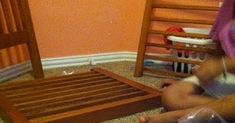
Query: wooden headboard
[(16, 28), (148, 20)]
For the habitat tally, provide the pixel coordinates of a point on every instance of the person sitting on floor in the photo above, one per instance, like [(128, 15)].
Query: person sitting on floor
[(181, 96), (212, 78)]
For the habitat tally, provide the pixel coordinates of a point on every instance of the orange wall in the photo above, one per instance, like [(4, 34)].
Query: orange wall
[(79, 27)]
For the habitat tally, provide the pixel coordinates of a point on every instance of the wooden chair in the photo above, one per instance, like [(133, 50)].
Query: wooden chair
[(146, 31), (16, 28)]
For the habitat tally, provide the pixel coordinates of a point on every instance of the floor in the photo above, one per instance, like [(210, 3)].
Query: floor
[(125, 69)]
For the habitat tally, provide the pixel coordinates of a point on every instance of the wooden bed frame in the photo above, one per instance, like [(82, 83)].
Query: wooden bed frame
[(146, 31), (89, 97)]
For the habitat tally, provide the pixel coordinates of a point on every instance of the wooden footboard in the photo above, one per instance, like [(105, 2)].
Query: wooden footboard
[(89, 97)]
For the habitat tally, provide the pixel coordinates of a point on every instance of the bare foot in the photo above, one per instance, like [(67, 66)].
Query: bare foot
[(160, 118)]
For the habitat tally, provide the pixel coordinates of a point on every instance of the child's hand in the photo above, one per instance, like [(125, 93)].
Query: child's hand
[(167, 82), (209, 70)]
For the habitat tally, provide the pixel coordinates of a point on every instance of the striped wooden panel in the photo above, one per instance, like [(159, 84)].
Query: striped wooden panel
[(12, 27), (151, 18), (94, 96), (16, 27)]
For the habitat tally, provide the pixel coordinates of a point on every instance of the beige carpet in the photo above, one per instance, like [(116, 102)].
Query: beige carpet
[(125, 69)]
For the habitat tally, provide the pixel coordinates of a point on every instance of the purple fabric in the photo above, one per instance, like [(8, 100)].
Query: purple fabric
[(223, 29)]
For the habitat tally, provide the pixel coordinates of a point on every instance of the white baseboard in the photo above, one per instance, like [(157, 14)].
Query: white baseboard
[(88, 59), (16, 70)]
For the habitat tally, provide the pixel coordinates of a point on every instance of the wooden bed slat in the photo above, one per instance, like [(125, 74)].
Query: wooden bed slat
[(67, 98), (60, 89), (204, 50), (80, 94), (181, 34), (17, 15), (27, 84), (7, 10), (180, 20), (165, 73), (170, 59), (77, 100), (59, 94), (86, 104), (187, 7), (2, 20), (125, 80), (96, 114), (55, 86)]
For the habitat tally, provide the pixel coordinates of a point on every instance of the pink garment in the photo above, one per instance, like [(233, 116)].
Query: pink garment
[(223, 29)]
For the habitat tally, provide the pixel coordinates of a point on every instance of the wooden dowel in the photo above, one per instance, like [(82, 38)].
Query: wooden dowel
[(67, 101), (187, 7), (179, 20), (27, 100), (204, 50), (173, 59), (165, 73), (58, 88), (70, 95), (8, 15), (17, 15), (181, 34), (74, 106), (53, 86), (26, 84)]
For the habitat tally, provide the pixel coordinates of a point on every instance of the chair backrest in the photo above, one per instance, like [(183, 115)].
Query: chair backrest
[(16, 28)]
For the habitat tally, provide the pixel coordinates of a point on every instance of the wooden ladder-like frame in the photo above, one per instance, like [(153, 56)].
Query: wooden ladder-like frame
[(16, 28), (148, 18), (89, 97)]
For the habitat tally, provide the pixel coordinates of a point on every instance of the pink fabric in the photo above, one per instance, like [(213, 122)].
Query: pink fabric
[(223, 29)]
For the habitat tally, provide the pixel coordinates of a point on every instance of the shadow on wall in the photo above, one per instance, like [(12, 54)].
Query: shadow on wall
[(12, 55)]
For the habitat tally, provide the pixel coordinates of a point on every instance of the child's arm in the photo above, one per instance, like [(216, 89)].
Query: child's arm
[(212, 68), (230, 64)]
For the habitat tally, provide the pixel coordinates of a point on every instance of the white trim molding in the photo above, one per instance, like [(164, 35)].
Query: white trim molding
[(88, 59), (16, 70)]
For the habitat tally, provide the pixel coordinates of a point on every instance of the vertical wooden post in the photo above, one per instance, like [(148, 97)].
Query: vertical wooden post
[(143, 39), (32, 44)]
